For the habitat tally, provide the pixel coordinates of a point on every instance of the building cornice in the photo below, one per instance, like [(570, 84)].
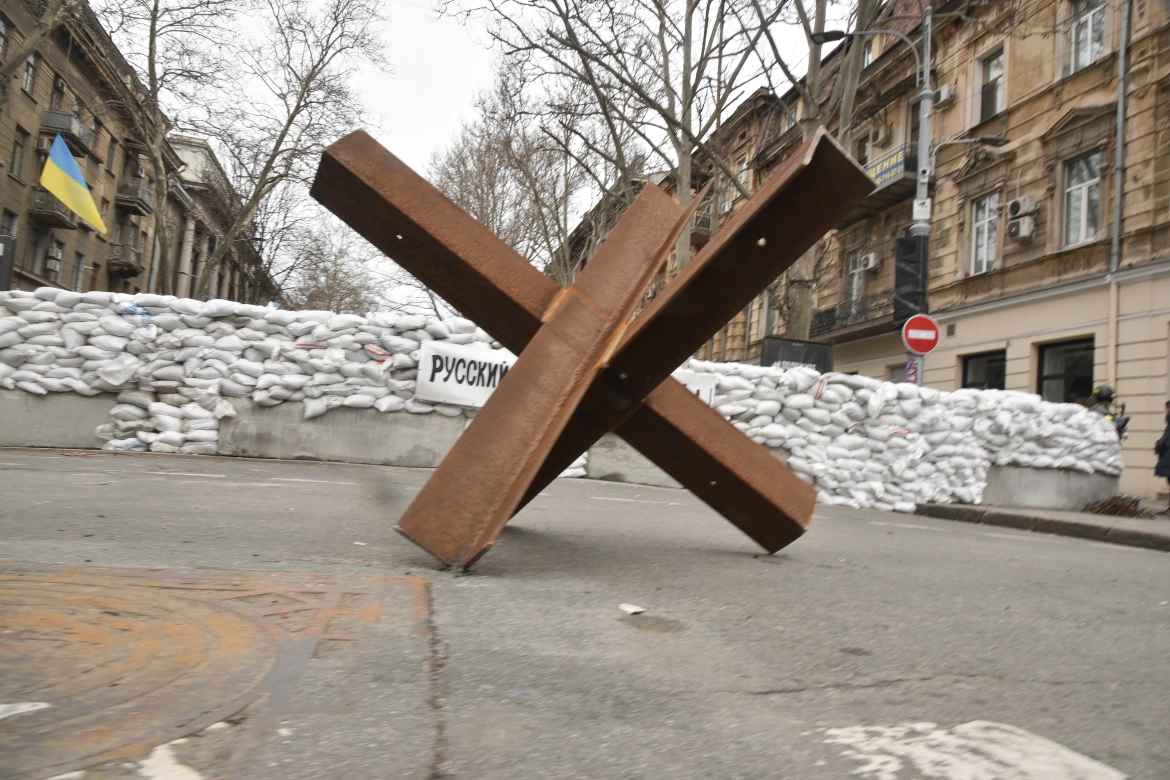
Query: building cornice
[(1143, 273)]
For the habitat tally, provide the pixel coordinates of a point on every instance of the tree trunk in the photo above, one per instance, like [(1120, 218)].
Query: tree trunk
[(800, 295), (682, 248), (164, 277)]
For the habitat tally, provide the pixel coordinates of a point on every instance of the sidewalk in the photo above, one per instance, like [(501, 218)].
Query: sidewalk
[(1129, 531)]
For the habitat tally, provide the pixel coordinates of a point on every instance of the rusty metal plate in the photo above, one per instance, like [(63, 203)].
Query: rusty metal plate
[(469, 498), (464, 262), (111, 662)]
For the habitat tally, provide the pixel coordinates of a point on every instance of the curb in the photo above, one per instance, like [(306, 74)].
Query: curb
[(1129, 537)]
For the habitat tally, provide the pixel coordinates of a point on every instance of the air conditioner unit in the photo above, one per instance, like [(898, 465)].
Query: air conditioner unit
[(44, 143), (871, 261), (944, 96), (53, 265), (1022, 206), (140, 172), (881, 136), (726, 207), (1022, 229), (53, 254), (59, 84)]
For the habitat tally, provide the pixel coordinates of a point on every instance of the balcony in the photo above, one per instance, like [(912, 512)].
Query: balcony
[(871, 315), (895, 176), (702, 225), (125, 261), (77, 136), (136, 195), (49, 211)]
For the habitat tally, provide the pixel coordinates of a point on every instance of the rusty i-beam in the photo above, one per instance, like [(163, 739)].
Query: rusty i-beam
[(584, 369)]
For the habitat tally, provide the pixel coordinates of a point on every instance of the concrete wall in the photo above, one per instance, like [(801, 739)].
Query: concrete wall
[(68, 420), (613, 460), (1046, 488), (55, 420), (348, 435)]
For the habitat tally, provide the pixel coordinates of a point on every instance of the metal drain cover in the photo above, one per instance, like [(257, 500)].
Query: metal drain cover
[(98, 664)]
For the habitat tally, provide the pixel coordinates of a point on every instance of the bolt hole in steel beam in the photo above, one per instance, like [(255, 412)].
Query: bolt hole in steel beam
[(461, 260)]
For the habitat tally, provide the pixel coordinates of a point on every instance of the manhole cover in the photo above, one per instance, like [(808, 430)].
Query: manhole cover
[(98, 664)]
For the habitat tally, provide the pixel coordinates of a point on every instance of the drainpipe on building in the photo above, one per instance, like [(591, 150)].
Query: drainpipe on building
[(1118, 190)]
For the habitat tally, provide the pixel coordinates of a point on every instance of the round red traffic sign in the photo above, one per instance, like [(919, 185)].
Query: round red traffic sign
[(920, 334)]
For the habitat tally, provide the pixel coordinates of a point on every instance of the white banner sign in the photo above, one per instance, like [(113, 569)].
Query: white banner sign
[(459, 374), (702, 385)]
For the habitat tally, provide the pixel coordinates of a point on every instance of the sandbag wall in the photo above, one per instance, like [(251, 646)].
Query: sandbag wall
[(871, 444), (175, 363)]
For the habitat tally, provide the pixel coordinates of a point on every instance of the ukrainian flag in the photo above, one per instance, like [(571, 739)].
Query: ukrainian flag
[(63, 178)]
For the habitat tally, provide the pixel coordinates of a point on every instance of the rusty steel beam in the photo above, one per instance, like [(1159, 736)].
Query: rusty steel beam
[(470, 497), (802, 200), (463, 261)]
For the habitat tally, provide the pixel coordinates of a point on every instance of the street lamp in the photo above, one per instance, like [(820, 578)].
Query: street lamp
[(983, 140), (836, 35)]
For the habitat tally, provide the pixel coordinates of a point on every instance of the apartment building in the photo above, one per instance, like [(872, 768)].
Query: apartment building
[(78, 85), (1042, 279)]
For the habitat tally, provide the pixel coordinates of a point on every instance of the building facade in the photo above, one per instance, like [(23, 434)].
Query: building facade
[(78, 85), (1041, 278)]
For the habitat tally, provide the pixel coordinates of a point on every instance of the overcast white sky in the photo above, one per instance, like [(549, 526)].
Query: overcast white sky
[(438, 66)]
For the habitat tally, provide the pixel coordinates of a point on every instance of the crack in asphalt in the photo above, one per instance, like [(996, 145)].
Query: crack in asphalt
[(436, 663)]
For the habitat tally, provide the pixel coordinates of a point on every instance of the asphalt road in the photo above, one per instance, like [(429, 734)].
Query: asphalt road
[(964, 649)]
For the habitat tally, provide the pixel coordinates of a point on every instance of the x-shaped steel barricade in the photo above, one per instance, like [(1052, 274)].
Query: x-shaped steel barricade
[(584, 367)]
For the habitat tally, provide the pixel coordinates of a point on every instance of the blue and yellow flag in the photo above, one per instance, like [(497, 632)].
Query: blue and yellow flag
[(63, 178)]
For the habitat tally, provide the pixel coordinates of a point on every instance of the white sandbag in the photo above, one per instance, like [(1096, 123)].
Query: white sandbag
[(390, 403)]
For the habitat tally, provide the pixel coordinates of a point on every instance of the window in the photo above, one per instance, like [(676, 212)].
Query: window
[(896, 373), (104, 209), (984, 233), (53, 260), (867, 55), (57, 96), (5, 34), (991, 98), (1066, 371), (36, 244), (1088, 33), (8, 224), (20, 141), (789, 118), (863, 149), (985, 371), (78, 271), (855, 280), (1082, 193), (29, 79), (110, 153)]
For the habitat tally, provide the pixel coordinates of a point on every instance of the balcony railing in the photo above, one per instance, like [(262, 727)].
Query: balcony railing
[(136, 195), (77, 136), (125, 261), (702, 221), (866, 309), (48, 210)]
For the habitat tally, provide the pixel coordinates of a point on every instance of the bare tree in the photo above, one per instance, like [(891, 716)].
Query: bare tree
[(517, 170), (180, 48), (658, 71), (294, 96), (55, 13), (335, 270)]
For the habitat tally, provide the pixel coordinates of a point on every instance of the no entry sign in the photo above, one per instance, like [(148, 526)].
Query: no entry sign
[(920, 334)]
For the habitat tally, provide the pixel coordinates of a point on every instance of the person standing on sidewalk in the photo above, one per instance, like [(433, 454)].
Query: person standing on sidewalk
[(1162, 450)]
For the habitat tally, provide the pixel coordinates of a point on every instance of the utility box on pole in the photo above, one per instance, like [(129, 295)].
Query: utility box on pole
[(910, 277)]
